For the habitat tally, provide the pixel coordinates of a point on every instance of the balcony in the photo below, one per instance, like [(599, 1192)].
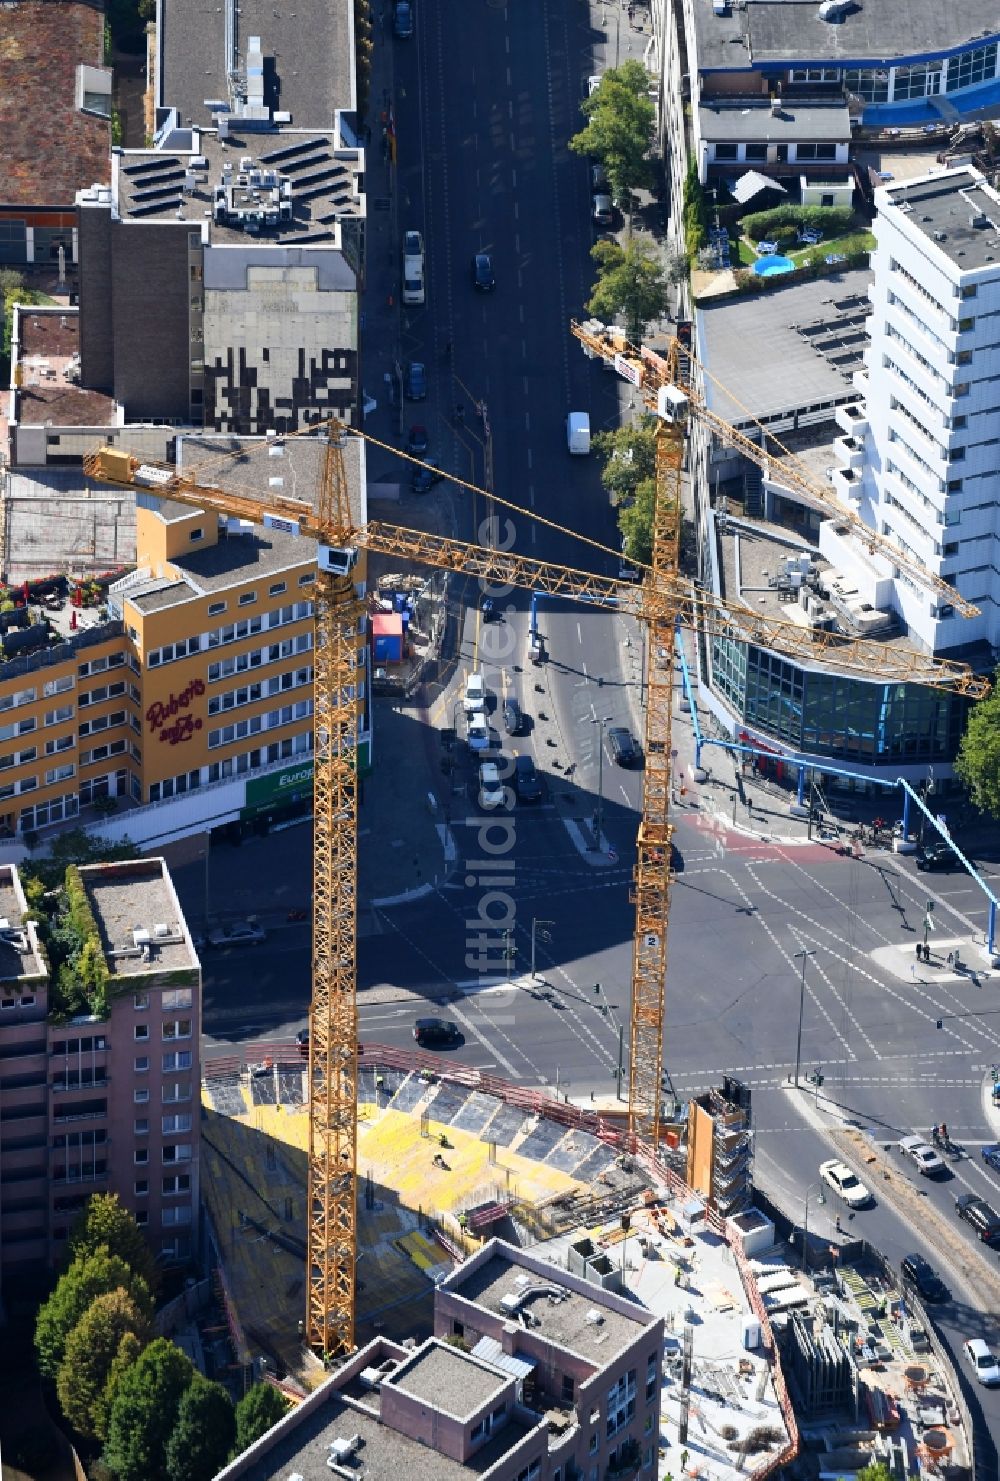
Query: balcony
[(852, 420), (61, 1086), (847, 486), (626, 1464), (850, 451)]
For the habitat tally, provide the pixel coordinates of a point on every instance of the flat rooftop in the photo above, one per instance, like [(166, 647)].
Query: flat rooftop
[(562, 1321), (14, 963), (943, 207), (137, 896), (252, 552), (787, 349), (167, 184), (48, 364), (307, 50), (449, 1379), (51, 149), (879, 31), (719, 120)]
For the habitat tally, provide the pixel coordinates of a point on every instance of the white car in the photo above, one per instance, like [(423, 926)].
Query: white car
[(478, 733), (492, 792), (474, 699), (240, 933), (845, 1183), (984, 1364), (925, 1157)]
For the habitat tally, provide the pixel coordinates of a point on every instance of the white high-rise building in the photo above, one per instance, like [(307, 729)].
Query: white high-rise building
[(929, 472)]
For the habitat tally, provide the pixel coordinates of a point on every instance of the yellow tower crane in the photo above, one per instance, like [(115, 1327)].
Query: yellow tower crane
[(663, 601)]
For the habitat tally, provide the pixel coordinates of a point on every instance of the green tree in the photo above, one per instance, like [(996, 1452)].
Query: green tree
[(87, 1278), (630, 457), (91, 1348), (260, 1408), (619, 127), (127, 1354), (203, 1435), (630, 282), (695, 211), (877, 1471), (145, 1410), (978, 759), (636, 523), (105, 1222)]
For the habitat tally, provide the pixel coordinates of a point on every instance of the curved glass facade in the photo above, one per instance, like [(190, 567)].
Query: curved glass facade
[(830, 715)]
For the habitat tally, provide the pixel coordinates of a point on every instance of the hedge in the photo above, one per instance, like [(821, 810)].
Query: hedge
[(784, 222)]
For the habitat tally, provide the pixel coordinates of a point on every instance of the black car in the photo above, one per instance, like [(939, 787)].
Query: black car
[(938, 856), (976, 1212), (526, 782), (920, 1274), (482, 273), (513, 717), (431, 1032), (417, 442), (416, 381), (425, 477), (623, 747)]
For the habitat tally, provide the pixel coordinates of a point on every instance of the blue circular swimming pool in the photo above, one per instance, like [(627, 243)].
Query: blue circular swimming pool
[(770, 267)]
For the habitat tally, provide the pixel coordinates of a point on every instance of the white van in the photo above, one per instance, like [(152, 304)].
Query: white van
[(413, 267), (578, 432)]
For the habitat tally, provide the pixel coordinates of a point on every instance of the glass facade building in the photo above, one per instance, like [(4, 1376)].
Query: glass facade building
[(845, 719)]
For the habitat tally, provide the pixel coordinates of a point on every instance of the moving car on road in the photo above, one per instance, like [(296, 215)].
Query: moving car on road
[(474, 701), (402, 23), (416, 381), (417, 442), (482, 273), (492, 792), (426, 476), (239, 933), (478, 733), (430, 1033), (927, 1160), (526, 782), (982, 1219), (991, 1154), (513, 716), (845, 1183), (938, 855), (920, 1274), (623, 747), (984, 1364)]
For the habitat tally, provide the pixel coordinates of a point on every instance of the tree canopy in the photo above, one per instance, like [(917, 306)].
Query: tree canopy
[(630, 457), (105, 1222), (203, 1436), (128, 1352), (978, 759), (88, 1277), (260, 1408), (636, 523), (630, 282), (91, 1349), (619, 127), (145, 1411)]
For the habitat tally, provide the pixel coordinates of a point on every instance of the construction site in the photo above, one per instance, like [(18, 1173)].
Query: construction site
[(764, 1363)]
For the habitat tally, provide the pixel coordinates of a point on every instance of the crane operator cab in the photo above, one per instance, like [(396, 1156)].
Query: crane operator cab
[(672, 405), (336, 562)]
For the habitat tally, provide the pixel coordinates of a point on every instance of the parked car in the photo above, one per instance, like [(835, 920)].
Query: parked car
[(991, 1154), (513, 716), (984, 1364), (622, 746), (527, 784), (431, 1032), (402, 24), (925, 1157), (416, 381), (426, 476), (938, 855), (478, 733), (845, 1183), (474, 699), (417, 442), (602, 211), (492, 792), (238, 933), (482, 273), (917, 1272), (598, 180), (982, 1219)]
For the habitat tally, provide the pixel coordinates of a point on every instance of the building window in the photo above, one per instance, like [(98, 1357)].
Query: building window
[(755, 153), (142, 1217), (140, 1001), (567, 1388), (178, 997), (216, 609), (307, 578), (141, 1031), (247, 598), (593, 1443), (197, 534), (177, 1152), (174, 1216), (142, 1064), (276, 589), (140, 1097), (177, 1028), (141, 1188), (176, 1182), (140, 1156), (972, 67), (141, 1126), (726, 152), (180, 1090), (179, 1060), (173, 1125)]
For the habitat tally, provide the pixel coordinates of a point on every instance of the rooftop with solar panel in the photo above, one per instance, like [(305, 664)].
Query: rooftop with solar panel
[(289, 187)]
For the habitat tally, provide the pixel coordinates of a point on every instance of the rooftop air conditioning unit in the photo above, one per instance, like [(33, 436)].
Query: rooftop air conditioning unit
[(341, 1449), (141, 936), (161, 930), (594, 1318)]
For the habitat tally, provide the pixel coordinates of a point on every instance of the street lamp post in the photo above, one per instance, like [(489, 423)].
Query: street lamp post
[(599, 815), (820, 1198), (802, 1004), (540, 932)]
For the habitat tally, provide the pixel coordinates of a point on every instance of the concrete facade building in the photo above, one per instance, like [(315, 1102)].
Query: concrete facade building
[(920, 456), (533, 1374), (106, 1101)]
